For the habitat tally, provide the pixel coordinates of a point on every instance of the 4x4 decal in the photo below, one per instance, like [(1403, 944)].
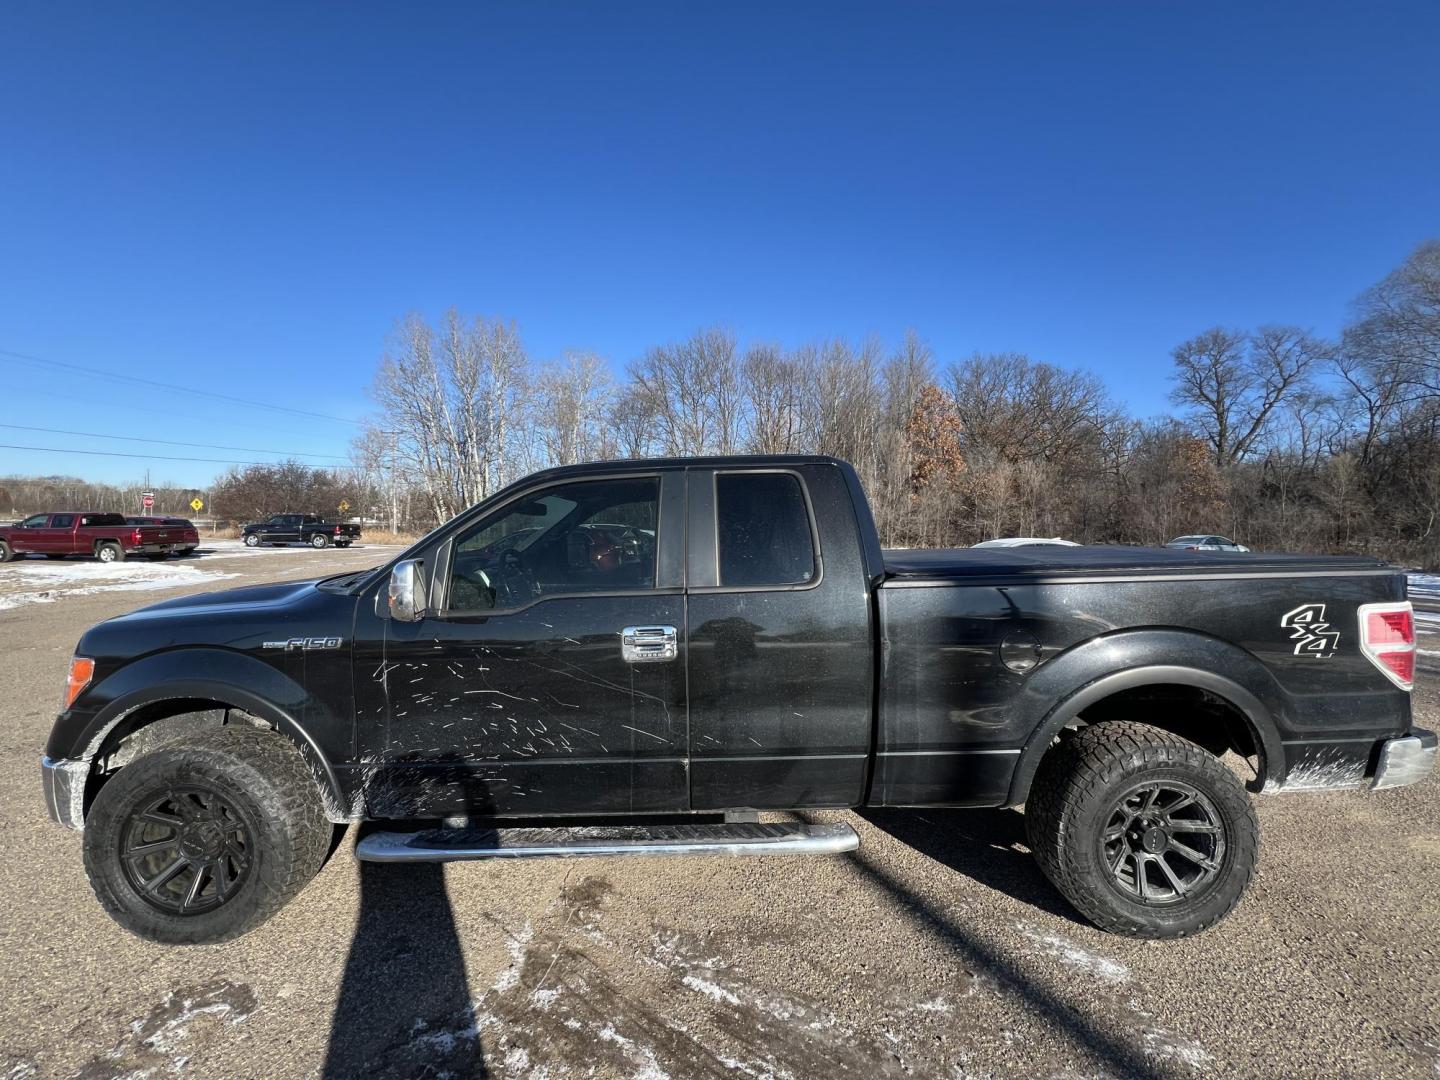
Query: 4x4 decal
[(1310, 631)]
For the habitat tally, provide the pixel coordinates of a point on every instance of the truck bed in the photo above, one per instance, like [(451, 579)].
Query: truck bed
[(917, 565)]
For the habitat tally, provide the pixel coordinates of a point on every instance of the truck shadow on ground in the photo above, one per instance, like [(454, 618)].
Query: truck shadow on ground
[(404, 983), (972, 842), (986, 845)]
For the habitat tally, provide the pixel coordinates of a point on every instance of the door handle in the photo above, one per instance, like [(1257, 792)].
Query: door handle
[(648, 644)]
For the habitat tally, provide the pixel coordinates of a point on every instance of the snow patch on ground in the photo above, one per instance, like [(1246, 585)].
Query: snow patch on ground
[(1067, 952), (1168, 1046), (52, 581), (712, 990)]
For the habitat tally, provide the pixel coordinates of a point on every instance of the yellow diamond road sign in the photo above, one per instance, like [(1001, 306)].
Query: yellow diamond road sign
[(196, 504), (344, 505)]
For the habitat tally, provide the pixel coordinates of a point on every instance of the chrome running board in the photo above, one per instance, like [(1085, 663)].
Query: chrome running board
[(572, 841)]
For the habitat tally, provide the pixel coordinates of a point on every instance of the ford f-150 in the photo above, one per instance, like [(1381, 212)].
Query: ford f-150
[(649, 653)]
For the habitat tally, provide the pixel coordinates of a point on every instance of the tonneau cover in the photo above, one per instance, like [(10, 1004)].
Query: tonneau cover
[(934, 564)]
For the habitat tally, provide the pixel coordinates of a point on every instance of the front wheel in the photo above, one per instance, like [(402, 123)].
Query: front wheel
[(252, 539), (319, 540), (6, 552), (1146, 833), (206, 837)]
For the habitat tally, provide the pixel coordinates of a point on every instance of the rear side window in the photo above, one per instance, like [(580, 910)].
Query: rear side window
[(763, 530), (105, 520)]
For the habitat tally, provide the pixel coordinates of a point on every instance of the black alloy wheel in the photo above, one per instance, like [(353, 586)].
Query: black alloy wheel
[(1146, 833), (188, 851), (1163, 842)]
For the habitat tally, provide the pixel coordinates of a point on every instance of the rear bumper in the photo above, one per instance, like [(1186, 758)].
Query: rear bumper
[(63, 781), (1406, 760)]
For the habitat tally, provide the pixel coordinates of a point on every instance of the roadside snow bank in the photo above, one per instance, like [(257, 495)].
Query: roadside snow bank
[(50, 581)]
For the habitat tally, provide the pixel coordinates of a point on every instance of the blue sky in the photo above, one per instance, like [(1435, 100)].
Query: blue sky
[(245, 200)]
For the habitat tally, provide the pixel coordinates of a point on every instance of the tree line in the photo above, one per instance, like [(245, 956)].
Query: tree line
[(1279, 438)]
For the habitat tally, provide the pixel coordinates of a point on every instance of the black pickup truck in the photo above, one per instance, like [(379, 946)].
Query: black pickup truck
[(299, 529), (648, 653)]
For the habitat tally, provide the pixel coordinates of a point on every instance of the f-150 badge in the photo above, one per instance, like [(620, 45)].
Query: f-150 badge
[(1310, 632), (306, 643)]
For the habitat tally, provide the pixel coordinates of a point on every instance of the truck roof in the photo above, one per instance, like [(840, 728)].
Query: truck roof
[(714, 461)]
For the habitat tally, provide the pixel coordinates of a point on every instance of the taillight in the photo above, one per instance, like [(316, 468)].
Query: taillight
[(135, 538), (337, 530), (82, 669), (1387, 638)]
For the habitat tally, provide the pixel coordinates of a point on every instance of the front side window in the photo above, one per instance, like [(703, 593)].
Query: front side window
[(35, 521), (763, 530), (596, 536)]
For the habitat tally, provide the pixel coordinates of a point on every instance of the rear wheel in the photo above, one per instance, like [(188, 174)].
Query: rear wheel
[(207, 837), (1146, 833), (109, 552), (319, 540)]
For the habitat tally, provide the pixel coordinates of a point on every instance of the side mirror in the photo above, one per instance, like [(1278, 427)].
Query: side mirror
[(408, 602)]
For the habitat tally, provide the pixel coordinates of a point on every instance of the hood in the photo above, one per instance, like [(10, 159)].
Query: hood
[(248, 600)]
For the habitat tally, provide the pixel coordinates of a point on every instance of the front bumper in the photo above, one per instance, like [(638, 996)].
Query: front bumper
[(1406, 760), (64, 783)]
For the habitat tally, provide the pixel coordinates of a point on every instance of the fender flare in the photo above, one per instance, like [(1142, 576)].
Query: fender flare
[(112, 715), (1258, 714)]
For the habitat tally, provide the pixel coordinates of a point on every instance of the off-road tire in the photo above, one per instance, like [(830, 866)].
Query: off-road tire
[(263, 777), (319, 541), (108, 551), (6, 552), (1076, 788), (253, 540)]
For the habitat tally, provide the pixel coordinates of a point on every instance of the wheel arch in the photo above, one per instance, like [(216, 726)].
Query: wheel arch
[(128, 715), (1163, 660)]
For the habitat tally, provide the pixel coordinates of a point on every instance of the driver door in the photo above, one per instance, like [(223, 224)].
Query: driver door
[(29, 539), (550, 677)]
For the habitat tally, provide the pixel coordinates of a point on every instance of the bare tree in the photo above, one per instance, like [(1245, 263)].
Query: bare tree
[(573, 402), (1398, 319), (1232, 383), (774, 387), (692, 391), (455, 401), (1016, 409)]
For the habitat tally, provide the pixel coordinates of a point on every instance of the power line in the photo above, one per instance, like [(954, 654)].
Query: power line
[(157, 457), (167, 442), (135, 380)]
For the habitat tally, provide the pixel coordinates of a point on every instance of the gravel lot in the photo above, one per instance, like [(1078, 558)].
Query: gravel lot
[(937, 950)]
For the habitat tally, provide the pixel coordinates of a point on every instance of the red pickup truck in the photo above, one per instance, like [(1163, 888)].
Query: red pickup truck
[(189, 535), (108, 537)]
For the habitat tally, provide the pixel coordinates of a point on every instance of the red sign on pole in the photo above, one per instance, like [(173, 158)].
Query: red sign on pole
[(147, 499)]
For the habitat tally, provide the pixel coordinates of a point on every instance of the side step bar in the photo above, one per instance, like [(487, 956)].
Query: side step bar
[(751, 838)]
